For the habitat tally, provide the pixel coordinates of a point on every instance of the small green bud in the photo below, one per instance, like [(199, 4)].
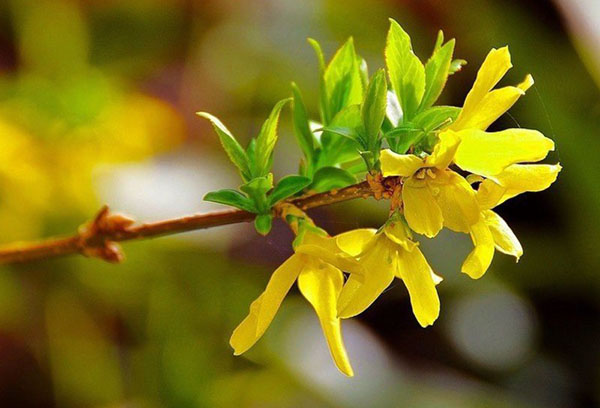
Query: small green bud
[(263, 223)]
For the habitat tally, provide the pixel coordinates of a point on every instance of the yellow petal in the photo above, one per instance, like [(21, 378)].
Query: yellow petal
[(421, 210), (351, 293), (394, 164), (399, 233), (489, 153), (354, 242), (437, 279), (520, 178), (505, 240), (474, 178), (526, 84), (489, 194), (495, 104), (496, 64), (444, 150), (326, 249), (479, 260), (418, 277), (321, 283), (456, 199), (264, 308), (379, 262)]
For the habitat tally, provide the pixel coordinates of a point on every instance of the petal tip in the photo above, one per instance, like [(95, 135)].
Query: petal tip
[(505, 53), (428, 321), (348, 372), (518, 256), (344, 313), (429, 233), (527, 83), (472, 271)]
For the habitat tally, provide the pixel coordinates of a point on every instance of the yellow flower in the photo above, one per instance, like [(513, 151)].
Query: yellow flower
[(515, 180), (492, 232), (489, 153), (483, 105), (496, 156), (317, 265), (384, 255), (434, 196)]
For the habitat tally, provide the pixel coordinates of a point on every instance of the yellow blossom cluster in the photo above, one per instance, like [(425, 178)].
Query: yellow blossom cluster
[(469, 172)]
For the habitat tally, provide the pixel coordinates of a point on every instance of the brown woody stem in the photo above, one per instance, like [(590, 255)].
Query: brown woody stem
[(100, 236)]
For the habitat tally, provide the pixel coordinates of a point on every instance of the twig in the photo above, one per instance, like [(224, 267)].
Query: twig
[(99, 237)]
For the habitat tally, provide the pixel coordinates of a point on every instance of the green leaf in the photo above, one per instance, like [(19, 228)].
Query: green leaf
[(302, 131), (371, 158), (287, 187), (263, 223), (349, 117), (456, 65), (258, 184), (265, 142), (407, 74), (323, 108), (230, 144), (250, 152), (356, 167), (438, 41), (342, 81), (373, 109), (364, 72), (319, 51), (257, 189), (402, 138), (347, 132), (328, 178), (436, 118), (437, 70), (232, 198), (393, 109), (426, 122), (339, 140)]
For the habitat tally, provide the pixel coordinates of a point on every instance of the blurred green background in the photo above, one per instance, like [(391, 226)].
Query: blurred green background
[(97, 102)]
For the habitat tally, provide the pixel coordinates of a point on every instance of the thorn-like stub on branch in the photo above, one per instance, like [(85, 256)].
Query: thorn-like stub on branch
[(106, 222), (110, 252), (95, 237)]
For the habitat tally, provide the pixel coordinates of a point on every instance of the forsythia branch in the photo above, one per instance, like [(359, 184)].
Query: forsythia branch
[(99, 237)]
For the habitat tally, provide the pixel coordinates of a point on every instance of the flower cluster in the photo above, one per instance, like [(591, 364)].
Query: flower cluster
[(448, 171)]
